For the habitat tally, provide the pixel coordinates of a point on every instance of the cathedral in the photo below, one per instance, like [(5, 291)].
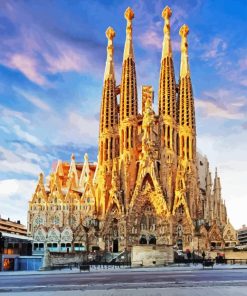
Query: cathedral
[(149, 185)]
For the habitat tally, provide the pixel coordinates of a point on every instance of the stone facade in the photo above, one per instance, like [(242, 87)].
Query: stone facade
[(149, 185)]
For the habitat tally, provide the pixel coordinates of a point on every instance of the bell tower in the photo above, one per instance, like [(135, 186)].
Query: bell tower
[(167, 113), (108, 134), (128, 114)]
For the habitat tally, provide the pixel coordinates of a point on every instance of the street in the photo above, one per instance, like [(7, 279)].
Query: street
[(128, 282)]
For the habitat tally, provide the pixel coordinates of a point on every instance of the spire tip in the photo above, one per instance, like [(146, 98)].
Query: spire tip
[(129, 14), (110, 33), (166, 13), (184, 31)]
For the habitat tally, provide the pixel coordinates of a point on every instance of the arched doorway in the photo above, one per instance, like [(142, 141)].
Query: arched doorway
[(115, 246), (143, 240), (152, 240)]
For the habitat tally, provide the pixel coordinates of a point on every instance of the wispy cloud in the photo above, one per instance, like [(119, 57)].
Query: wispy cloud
[(39, 51), (11, 162), (23, 135), (33, 99), (215, 49), (219, 104), (8, 115), (211, 109), (14, 197)]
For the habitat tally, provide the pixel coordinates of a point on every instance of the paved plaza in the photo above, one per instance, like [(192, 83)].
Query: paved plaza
[(183, 280)]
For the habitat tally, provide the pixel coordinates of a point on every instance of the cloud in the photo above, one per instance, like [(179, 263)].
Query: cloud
[(43, 49), (28, 65), (220, 104), (8, 115), (210, 109), (33, 99), (11, 162), (151, 38), (77, 129), (26, 136), (215, 49), (14, 197)]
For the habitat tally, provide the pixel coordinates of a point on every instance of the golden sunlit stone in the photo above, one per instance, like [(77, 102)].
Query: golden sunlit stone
[(149, 185)]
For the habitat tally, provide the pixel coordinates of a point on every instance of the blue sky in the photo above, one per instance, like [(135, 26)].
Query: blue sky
[(52, 57)]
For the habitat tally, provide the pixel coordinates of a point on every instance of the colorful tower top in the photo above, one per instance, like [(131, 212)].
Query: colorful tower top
[(167, 49), (184, 67), (167, 85), (186, 109), (108, 115), (128, 97), (128, 48), (109, 67)]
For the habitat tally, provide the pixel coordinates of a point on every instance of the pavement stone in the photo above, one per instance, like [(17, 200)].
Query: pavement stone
[(195, 291), (170, 268)]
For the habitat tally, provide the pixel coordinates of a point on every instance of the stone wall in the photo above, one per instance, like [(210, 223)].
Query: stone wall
[(151, 255), (53, 259)]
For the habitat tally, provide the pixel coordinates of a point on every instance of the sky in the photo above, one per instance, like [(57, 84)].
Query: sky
[(52, 58)]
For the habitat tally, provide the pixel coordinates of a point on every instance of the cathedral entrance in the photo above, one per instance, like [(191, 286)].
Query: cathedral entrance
[(180, 244), (143, 240), (115, 246), (152, 240)]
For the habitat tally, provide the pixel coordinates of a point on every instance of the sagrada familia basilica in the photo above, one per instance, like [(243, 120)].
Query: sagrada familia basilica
[(149, 186)]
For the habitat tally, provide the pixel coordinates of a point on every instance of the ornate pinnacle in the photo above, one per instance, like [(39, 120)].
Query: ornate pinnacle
[(128, 48), (184, 67), (166, 13), (86, 155), (167, 50), (72, 156), (129, 14), (41, 178), (184, 31), (110, 33)]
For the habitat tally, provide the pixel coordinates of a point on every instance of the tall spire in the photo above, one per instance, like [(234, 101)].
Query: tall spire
[(186, 101), (184, 66), (167, 49), (128, 48), (167, 85), (108, 113), (108, 117), (109, 67), (128, 97)]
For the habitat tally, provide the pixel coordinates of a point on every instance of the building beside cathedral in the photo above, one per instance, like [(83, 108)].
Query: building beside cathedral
[(149, 186)]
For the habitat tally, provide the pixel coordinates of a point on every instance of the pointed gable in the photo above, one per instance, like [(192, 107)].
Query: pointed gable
[(40, 193), (214, 233), (85, 174), (66, 234), (229, 233), (73, 175), (53, 234), (40, 234)]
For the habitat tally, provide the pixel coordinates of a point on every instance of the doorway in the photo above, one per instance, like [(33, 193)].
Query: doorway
[(115, 246)]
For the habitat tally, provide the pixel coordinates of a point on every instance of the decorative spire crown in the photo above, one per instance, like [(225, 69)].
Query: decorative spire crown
[(129, 14), (184, 67), (167, 49), (128, 48), (166, 13), (110, 33), (41, 178), (109, 68)]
